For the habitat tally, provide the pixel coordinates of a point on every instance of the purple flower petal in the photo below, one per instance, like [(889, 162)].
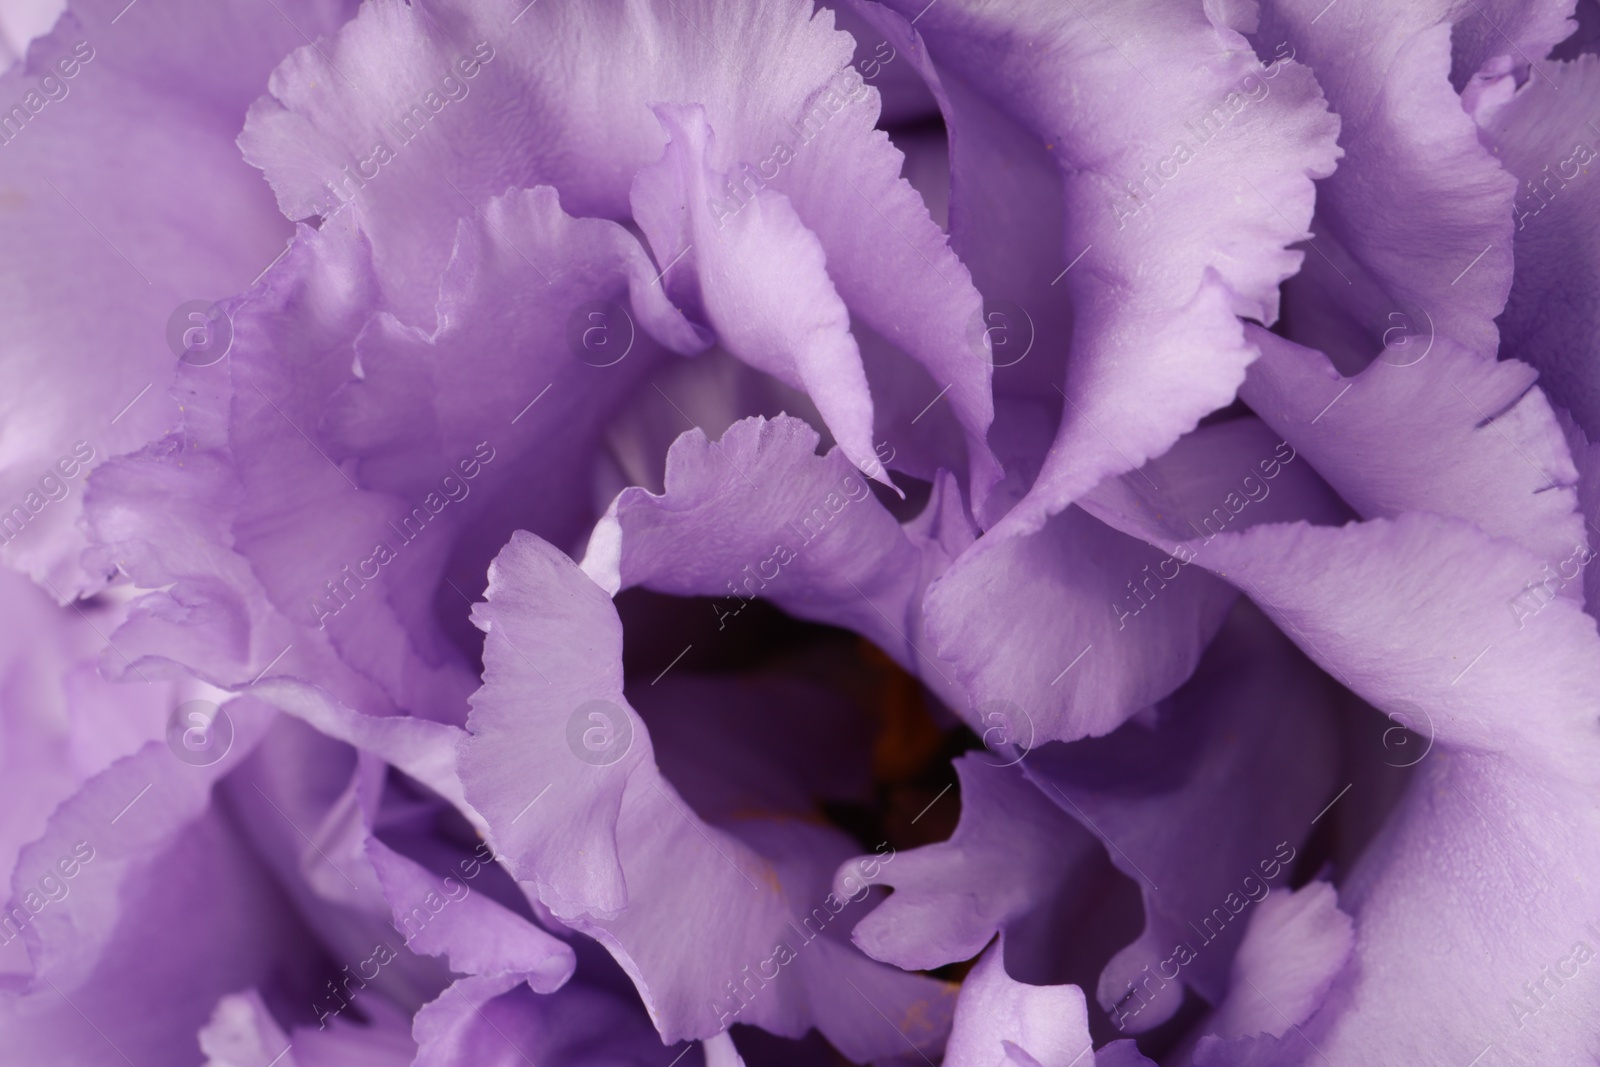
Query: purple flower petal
[(1295, 946), (122, 207), (254, 470), (819, 114), (759, 275), (615, 853), (1153, 349), (1523, 835), (1434, 429), (1004, 1023), (1501, 701), (1057, 622), (63, 724), (480, 937), (1413, 228), (1437, 599), (1543, 136), (760, 514), (164, 911), (1002, 250), (946, 904), (477, 1021), (1228, 750), (243, 1033)]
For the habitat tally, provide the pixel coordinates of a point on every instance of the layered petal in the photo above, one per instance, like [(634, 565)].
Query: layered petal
[(243, 1033), (1185, 220), (124, 194), (397, 447), (759, 513), (1486, 859), (807, 132), (1420, 616), (1100, 614), (947, 903), (1436, 429), (1248, 745), (615, 852), (1005, 205), (1481, 881), (1413, 231), (1545, 137), (481, 937), (143, 908), (61, 724), (1295, 946), (477, 1021), (305, 804), (760, 277)]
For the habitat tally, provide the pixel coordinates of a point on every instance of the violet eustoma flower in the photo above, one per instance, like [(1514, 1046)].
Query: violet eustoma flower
[(716, 531)]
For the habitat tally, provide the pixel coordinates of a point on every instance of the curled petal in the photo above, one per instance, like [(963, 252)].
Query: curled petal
[(760, 514), (480, 937), (947, 904), (1431, 621), (1248, 744), (1153, 348), (615, 852), (165, 911), (761, 277), (1004, 1023), (1295, 946), (1414, 223)]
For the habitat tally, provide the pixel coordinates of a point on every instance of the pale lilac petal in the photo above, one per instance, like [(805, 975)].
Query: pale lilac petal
[(121, 207), (670, 284), (1101, 614), (615, 852), (1428, 669), (1545, 138), (63, 723), (1297, 943), (720, 1051), (1413, 229), (321, 377), (1156, 342), (134, 954), (1506, 707), (1004, 1023), (1003, 193), (243, 1033), (760, 514), (947, 904), (1049, 623), (305, 803), (599, 131), (479, 937), (1427, 426), (759, 275), (478, 1021), (1517, 983), (23, 20)]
